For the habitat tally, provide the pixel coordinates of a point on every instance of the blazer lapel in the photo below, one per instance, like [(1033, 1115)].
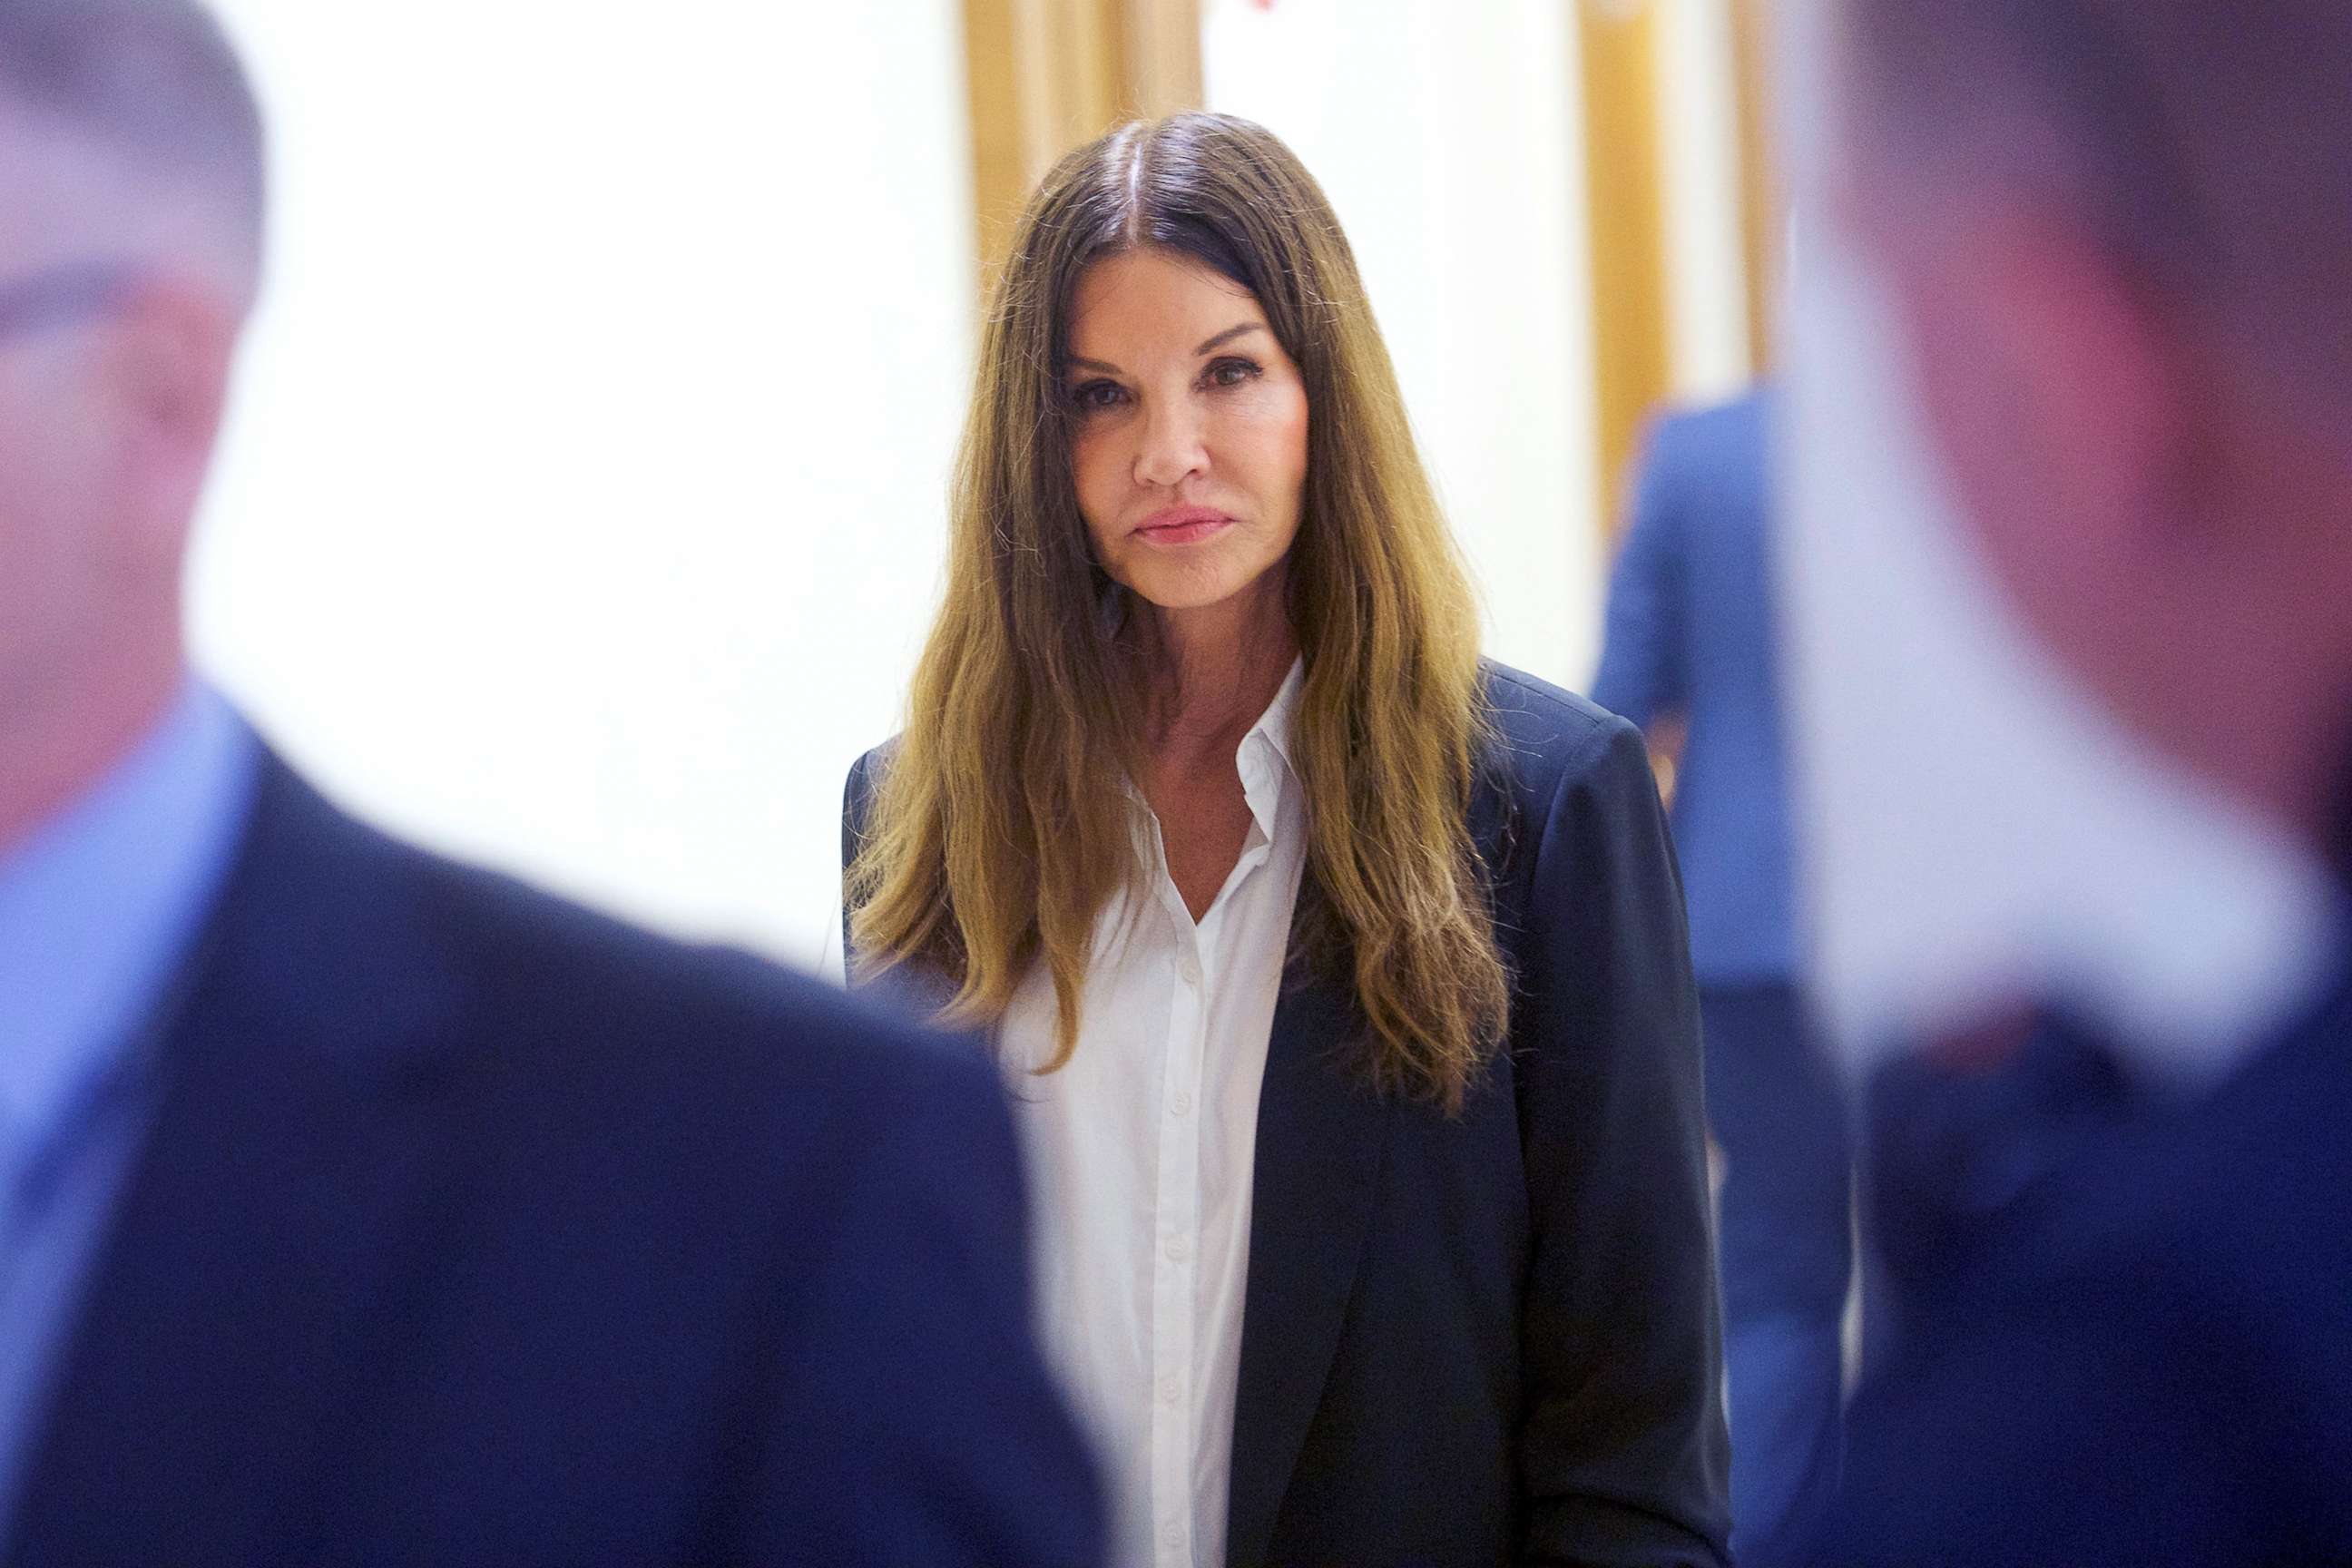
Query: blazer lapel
[(264, 1238), (1320, 1137)]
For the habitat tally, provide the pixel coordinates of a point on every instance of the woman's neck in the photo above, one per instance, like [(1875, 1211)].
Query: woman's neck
[(1216, 668)]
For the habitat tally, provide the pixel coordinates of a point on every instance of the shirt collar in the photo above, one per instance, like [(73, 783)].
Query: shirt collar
[(1263, 784), (99, 905), (1274, 725), (1264, 758)]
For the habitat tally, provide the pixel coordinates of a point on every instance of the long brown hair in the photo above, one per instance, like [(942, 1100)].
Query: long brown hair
[(999, 830)]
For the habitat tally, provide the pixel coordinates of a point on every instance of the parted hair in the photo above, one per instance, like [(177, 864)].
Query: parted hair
[(999, 831)]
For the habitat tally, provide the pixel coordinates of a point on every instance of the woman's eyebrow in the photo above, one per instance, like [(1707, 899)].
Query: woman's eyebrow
[(1239, 330), (1228, 335)]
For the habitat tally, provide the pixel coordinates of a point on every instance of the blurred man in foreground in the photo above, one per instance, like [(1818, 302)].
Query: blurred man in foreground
[(356, 1206), (2116, 238)]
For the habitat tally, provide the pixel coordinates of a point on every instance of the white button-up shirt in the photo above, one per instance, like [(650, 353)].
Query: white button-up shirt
[(1141, 1150)]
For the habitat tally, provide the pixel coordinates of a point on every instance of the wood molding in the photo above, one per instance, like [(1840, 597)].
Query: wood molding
[(1161, 66), (1763, 207), (1045, 75), (1624, 174)]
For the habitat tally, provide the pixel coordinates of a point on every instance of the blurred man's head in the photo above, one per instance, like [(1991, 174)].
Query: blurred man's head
[(2118, 234), (130, 216)]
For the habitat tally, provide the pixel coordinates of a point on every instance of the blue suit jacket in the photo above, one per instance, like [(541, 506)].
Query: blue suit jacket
[(2123, 1322), (1494, 1339), (472, 1228), (1690, 630)]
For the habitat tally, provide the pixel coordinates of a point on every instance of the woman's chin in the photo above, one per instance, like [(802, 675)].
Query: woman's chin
[(1175, 588), (1176, 600)]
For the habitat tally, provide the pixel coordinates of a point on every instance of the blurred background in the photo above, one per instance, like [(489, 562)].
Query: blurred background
[(584, 500)]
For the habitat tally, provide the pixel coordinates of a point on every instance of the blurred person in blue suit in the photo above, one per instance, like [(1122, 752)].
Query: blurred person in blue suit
[(356, 1206), (2111, 1194), (1690, 644)]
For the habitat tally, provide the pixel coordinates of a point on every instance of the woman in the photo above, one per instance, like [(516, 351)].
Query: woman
[(1342, 975)]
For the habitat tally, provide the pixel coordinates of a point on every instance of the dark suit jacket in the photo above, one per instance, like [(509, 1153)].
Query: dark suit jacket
[(472, 1228), (2124, 1322), (1691, 631), (1494, 1339)]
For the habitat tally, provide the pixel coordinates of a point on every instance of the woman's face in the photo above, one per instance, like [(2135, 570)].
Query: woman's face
[(1190, 446)]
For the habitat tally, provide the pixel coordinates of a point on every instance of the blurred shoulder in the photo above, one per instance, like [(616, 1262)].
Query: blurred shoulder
[(1711, 461), (697, 1022), (593, 1091), (589, 1026), (1734, 427), (2253, 1180)]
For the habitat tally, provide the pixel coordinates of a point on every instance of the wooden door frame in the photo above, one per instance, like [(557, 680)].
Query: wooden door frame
[(1044, 76)]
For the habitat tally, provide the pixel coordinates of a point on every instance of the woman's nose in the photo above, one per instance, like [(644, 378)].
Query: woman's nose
[(1172, 448)]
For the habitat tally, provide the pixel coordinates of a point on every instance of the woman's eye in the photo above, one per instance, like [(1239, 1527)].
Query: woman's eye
[(1096, 395), (1231, 373)]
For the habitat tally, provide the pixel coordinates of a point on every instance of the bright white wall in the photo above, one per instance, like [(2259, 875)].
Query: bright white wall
[(582, 502), (1446, 136), (1698, 143)]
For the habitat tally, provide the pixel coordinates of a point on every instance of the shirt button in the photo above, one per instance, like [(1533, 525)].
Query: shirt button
[(1178, 1250), (1172, 1389), (1173, 1532), (1188, 969), (1180, 1104)]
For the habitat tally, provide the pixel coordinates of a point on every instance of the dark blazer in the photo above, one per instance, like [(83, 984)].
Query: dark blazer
[(2124, 1322), (1494, 1339), (1691, 631), (473, 1228)]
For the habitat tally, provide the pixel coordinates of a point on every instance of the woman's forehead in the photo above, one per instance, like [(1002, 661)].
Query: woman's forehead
[(1144, 292)]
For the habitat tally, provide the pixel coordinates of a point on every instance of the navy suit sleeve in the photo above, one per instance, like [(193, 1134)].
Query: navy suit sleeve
[(1623, 1450), (1642, 668), (924, 1427), (2082, 1423)]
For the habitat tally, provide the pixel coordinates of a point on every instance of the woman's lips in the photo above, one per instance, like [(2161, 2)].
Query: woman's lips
[(1182, 525)]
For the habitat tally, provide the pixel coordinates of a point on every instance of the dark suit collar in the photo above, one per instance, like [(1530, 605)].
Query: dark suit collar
[(1319, 1139), (273, 1214)]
